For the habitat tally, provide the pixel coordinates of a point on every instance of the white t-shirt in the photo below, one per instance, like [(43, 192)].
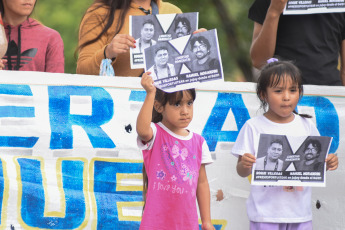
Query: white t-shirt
[(275, 204)]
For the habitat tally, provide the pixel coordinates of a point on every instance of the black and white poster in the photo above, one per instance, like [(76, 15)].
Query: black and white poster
[(291, 161), (185, 62), (148, 30), (314, 6)]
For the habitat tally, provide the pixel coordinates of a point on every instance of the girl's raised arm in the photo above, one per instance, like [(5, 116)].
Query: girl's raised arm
[(144, 129)]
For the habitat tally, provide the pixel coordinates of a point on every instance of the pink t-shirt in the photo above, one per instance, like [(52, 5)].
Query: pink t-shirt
[(172, 164)]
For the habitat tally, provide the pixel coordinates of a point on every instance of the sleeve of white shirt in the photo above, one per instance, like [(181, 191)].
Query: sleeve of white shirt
[(148, 145), (206, 157), (244, 142), (313, 130)]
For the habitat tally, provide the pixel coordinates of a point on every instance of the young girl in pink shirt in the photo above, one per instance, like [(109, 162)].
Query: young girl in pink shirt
[(174, 161)]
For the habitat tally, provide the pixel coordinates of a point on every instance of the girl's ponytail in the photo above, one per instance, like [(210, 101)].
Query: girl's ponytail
[(145, 185), (303, 114)]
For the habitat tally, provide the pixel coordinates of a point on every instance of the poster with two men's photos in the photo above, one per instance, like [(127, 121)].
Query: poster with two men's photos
[(291, 161), (314, 6), (185, 62), (149, 30)]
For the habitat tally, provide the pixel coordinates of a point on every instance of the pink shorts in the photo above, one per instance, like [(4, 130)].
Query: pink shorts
[(281, 226)]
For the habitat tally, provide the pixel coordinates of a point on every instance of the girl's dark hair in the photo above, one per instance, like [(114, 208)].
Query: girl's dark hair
[(112, 5), (273, 74), (163, 98)]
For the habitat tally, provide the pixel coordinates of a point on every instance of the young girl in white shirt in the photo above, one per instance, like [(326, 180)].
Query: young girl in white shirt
[(279, 89)]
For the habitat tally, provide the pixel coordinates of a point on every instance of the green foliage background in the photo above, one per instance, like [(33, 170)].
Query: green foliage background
[(65, 16)]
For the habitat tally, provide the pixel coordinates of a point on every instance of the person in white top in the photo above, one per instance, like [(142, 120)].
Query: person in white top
[(279, 89)]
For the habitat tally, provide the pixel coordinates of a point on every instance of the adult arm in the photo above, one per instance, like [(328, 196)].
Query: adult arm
[(342, 62), (55, 59), (265, 35), (91, 55), (203, 196)]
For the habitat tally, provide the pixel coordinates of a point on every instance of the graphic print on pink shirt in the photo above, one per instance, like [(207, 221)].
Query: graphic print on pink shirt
[(180, 168)]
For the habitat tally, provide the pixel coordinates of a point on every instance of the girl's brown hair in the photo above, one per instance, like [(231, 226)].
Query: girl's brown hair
[(163, 98), (273, 74)]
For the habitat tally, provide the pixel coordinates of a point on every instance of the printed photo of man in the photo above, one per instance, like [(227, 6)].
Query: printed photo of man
[(310, 159), (161, 68), (201, 48), (182, 27), (271, 161), (146, 38)]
